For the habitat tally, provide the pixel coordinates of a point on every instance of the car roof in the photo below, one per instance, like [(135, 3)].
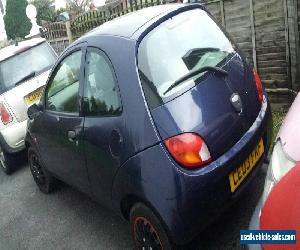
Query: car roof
[(127, 25), (11, 50)]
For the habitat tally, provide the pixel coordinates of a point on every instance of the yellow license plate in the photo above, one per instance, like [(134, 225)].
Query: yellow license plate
[(34, 96), (239, 174)]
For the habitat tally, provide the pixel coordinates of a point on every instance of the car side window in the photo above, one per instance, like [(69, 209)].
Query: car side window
[(101, 97), (62, 92)]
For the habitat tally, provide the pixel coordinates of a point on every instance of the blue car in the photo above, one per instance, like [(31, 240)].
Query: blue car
[(157, 116)]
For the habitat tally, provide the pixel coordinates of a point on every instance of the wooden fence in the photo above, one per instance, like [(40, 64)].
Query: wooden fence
[(60, 34), (267, 31)]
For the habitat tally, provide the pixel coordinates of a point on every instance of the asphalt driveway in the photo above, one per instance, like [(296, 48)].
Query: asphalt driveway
[(68, 219)]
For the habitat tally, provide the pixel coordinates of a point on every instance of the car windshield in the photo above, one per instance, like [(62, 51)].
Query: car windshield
[(25, 65), (184, 43)]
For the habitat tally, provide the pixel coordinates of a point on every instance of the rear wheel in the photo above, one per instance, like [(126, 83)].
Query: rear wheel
[(41, 176), (147, 231), (7, 162)]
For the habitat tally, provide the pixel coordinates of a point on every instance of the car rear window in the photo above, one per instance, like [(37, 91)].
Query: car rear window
[(183, 43), (25, 65)]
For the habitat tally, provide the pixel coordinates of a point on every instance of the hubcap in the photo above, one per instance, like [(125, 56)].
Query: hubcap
[(37, 170), (146, 237)]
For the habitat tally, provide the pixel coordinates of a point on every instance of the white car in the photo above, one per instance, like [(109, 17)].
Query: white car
[(24, 69)]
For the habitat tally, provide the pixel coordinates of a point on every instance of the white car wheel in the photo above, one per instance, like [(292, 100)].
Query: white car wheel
[(6, 162)]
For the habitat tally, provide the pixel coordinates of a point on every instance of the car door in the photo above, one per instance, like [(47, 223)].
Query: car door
[(103, 130), (62, 122)]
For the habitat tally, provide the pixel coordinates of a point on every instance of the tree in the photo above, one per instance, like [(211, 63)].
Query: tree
[(17, 24), (45, 10), (78, 6)]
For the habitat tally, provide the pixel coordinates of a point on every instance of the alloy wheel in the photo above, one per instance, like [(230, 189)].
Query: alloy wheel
[(146, 237), (2, 158), (37, 170)]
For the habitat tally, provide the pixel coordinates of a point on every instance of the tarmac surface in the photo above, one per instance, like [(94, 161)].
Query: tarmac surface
[(67, 219)]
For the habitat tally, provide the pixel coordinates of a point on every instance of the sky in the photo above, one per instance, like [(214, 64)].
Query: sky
[(59, 4)]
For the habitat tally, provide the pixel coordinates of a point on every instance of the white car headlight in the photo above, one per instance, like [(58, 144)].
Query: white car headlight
[(280, 164)]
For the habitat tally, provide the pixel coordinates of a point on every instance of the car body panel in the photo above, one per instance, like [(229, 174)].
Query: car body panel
[(159, 191), (103, 147), (272, 215), (13, 137), (275, 216), (63, 157), (289, 131)]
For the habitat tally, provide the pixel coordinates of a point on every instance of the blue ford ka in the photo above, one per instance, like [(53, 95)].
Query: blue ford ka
[(157, 116)]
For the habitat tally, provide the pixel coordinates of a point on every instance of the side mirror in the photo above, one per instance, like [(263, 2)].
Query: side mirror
[(34, 109)]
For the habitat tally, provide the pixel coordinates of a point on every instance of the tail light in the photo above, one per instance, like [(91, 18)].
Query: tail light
[(5, 115), (259, 86), (189, 150)]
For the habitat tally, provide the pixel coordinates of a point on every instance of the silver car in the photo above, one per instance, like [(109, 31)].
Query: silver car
[(24, 69)]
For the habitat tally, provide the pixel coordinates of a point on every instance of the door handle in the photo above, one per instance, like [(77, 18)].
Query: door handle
[(72, 136)]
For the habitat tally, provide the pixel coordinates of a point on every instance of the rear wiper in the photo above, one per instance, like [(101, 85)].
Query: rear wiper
[(31, 75), (194, 73)]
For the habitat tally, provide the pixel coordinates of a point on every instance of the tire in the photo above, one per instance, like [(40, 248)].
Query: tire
[(41, 176), (147, 231), (7, 162)]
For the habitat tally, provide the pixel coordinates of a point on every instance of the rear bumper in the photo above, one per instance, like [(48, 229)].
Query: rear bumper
[(207, 191), (12, 137)]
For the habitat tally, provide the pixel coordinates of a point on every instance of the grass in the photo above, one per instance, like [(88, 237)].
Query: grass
[(278, 117)]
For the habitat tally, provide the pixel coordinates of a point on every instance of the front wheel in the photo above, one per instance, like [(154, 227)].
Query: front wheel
[(147, 231), (7, 162), (41, 176)]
